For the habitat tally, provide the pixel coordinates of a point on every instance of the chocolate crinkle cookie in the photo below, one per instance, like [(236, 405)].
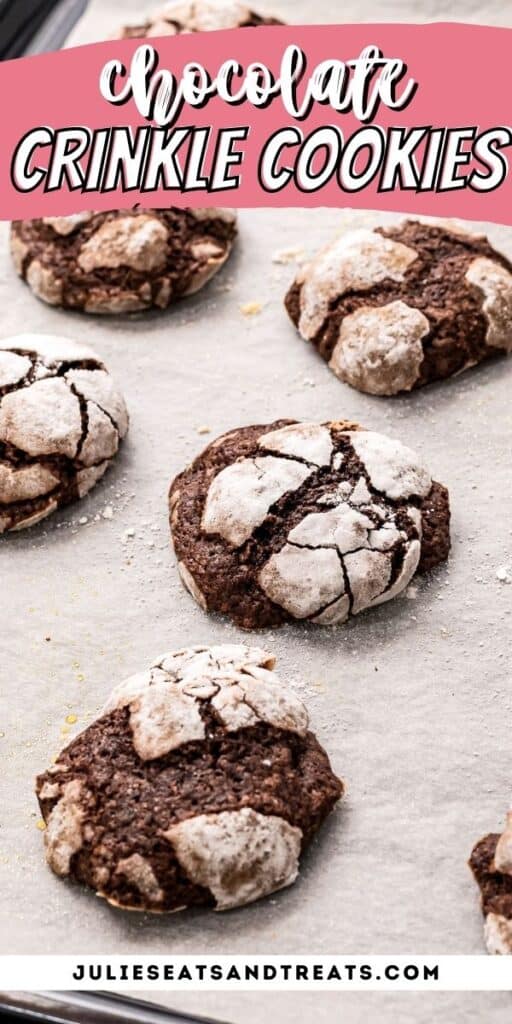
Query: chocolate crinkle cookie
[(305, 521), (199, 785), (200, 16), (62, 419), (123, 261), (491, 864), (393, 309)]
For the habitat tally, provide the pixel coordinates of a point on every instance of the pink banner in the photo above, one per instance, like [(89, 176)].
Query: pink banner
[(412, 118)]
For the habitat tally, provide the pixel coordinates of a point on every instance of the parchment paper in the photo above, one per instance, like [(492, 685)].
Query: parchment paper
[(412, 700)]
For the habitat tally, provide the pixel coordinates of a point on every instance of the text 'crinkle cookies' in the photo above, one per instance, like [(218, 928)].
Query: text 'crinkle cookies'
[(393, 309), (491, 864), (198, 785), (62, 419), (123, 261), (198, 16), (305, 521)]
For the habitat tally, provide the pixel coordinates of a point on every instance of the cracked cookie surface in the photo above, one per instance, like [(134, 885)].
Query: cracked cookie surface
[(62, 419), (122, 262), (491, 864), (392, 309), (304, 521), (198, 785), (200, 16)]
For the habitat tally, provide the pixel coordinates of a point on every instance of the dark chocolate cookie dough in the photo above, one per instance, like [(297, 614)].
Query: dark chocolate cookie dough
[(200, 784), (304, 521), (491, 864), (123, 261), (197, 16), (393, 309), (62, 419)]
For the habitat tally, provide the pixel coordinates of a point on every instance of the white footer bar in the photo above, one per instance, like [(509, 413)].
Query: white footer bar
[(264, 973)]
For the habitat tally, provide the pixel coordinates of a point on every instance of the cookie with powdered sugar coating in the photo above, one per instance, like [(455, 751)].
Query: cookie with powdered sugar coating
[(199, 785), (392, 309), (304, 521), (491, 864), (125, 261), (198, 16), (62, 420)]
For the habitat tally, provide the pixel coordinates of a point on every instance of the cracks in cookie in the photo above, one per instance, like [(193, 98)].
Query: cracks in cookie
[(84, 416), (346, 592), (279, 509), (61, 370), (209, 712), (355, 471), (346, 578), (290, 506), (42, 369), (330, 547), (18, 511), (66, 366), (270, 453), (360, 469), (62, 466), (228, 679), (28, 378), (16, 457), (400, 504), (93, 401), (109, 417), (397, 562)]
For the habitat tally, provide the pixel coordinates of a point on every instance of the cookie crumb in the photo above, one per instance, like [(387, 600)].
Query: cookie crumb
[(251, 308), (294, 254), (503, 574)]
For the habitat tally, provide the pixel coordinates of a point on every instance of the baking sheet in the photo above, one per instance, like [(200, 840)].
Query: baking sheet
[(412, 700)]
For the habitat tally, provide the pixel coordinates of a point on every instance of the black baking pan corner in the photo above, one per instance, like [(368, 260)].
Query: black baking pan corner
[(86, 1008), (36, 26)]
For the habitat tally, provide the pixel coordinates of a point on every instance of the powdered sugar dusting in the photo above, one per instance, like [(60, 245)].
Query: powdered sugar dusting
[(357, 260), (239, 855)]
